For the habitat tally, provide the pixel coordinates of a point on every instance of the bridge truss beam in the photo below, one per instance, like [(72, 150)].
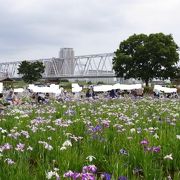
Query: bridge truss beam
[(97, 65)]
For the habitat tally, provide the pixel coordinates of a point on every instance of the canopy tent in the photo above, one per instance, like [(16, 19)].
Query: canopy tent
[(127, 86), (76, 88), (159, 88), (19, 90), (52, 89), (103, 88)]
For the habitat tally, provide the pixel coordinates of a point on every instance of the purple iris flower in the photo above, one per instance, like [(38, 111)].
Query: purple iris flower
[(147, 148), (76, 175), (97, 128), (156, 149), (88, 176), (69, 174), (144, 142), (90, 168), (106, 176)]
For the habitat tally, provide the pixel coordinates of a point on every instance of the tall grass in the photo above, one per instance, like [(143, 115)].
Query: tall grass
[(111, 131)]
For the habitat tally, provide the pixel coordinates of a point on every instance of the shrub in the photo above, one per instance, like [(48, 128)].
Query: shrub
[(64, 80), (100, 82), (148, 90)]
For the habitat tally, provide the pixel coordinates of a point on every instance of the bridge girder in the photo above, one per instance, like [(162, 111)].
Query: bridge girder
[(97, 65)]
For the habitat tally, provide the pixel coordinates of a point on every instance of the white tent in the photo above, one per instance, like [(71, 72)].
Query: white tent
[(159, 88), (103, 88), (19, 90), (52, 89), (127, 86), (76, 88)]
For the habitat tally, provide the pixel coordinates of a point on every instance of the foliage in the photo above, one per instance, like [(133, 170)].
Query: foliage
[(100, 82), (146, 57), (89, 82), (19, 84), (127, 138), (64, 80), (31, 71), (148, 90), (66, 85), (176, 80)]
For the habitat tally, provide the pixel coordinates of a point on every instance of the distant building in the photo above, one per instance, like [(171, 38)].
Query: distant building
[(63, 65), (67, 56)]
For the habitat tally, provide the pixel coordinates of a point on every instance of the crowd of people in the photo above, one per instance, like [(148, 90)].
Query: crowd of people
[(13, 98), (115, 93)]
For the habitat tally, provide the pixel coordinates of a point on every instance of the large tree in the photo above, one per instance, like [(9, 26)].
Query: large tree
[(31, 71), (146, 57)]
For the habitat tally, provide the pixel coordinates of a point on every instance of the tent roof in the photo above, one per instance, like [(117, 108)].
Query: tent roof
[(6, 80)]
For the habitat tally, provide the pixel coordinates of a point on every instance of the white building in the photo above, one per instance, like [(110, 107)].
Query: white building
[(67, 56)]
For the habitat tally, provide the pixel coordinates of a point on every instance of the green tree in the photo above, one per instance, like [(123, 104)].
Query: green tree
[(31, 71), (146, 57)]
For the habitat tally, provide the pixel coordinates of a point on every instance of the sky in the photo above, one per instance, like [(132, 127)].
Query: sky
[(35, 29)]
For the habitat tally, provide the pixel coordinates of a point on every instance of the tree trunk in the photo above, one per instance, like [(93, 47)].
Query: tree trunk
[(147, 82)]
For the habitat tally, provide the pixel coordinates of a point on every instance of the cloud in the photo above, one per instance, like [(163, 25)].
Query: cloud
[(39, 28)]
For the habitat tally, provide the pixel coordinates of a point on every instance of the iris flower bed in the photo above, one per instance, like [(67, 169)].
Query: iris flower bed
[(88, 140)]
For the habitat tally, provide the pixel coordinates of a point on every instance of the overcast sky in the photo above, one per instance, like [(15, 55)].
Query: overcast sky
[(34, 29)]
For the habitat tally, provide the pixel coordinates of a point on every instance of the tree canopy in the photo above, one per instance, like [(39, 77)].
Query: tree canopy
[(31, 71), (146, 57)]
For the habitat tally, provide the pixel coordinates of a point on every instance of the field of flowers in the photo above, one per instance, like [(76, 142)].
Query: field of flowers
[(103, 139)]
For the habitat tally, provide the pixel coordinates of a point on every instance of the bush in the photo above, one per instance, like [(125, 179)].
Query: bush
[(89, 82), (148, 90), (66, 85), (64, 80), (100, 82)]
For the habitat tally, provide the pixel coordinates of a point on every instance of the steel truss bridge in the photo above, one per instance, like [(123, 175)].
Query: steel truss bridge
[(88, 66)]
